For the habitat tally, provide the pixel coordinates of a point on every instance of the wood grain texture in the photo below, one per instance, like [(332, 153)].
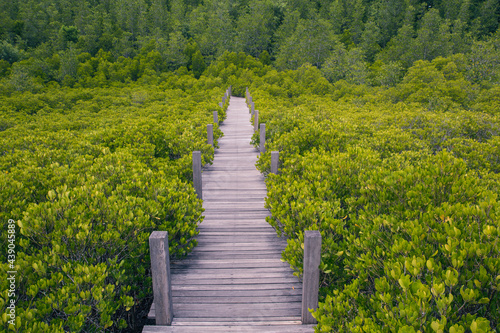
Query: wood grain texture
[(235, 280)]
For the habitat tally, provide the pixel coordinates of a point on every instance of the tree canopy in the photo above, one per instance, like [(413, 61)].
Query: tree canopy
[(292, 32)]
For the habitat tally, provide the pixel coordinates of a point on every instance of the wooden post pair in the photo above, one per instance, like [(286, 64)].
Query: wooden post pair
[(162, 287)]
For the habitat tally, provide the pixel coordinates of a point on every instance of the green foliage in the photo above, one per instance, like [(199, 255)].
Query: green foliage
[(88, 174), (405, 195), (10, 53), (438, 84), (198, 64), (69, 34), (310, 43), (161, 36)]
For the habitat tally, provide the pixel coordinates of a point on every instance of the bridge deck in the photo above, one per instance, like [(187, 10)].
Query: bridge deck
[(234, 280)]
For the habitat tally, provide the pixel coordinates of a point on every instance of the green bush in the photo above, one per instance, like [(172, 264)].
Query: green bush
[(405, 197), (88, 174)]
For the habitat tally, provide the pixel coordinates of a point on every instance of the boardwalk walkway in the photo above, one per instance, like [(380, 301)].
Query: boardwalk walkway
[(234, 280)]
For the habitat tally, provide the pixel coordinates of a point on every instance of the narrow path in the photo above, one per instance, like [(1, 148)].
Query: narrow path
[(234, 280)]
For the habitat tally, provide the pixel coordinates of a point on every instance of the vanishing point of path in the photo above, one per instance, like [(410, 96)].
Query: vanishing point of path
[(234, 280)]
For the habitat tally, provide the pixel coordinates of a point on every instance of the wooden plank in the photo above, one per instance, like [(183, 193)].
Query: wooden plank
[(233, 320), (235, 223), (248, 272), (232, 287), (236, 210), (193, 280), (251, 215), (236, 293), (231, 199), (236, 310), (230, 329), (240, 323), (242, 262), (231, 225), (259, 221), (238, 231), (257, 240), (230, 275), (236, 204), (234, 173), (207, 247), (262, 234), (258, 231), (234, 239), (277, 250), (241, 245), (227, 265), (229, 255), (237, 194), (244, 300), (229, 310)]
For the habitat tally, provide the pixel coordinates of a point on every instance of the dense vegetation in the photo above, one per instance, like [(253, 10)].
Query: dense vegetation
[(403, 185), (89, 174), (55, 40), (386, 114)]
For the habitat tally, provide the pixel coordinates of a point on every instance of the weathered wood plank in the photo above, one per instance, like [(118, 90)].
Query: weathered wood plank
[(229, 255), (233, 287), (236, 293), (230, 275), (244, 300), (235, 281), (236, 310), (241, 323), (234, 319), (250, 214), (237, 232), (253, 239), (229, 310), (230, 329)]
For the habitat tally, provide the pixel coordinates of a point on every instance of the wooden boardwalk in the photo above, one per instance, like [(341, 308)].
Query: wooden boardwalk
[(234, 280)]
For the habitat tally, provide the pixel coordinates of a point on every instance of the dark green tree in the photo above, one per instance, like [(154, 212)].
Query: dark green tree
[(254, 29), (264, 58), (311, 42), (198, 64)]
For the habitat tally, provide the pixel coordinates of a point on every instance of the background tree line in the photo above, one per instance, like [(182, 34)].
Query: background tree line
[(346, 39)]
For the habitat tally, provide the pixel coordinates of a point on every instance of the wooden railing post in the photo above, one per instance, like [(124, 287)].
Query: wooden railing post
[(262, 146), (221, 105), (252, 105), (210, 134), (256, 121), (310, 282), (216, 117), (197, 173), (160, 271), (275, 159)]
